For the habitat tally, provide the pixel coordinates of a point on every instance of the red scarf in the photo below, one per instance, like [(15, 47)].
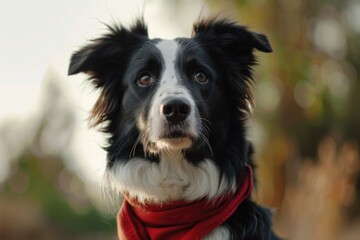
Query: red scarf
[(179, 220)]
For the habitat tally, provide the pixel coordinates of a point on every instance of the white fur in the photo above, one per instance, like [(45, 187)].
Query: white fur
[(172, 178), (169, 52), (170, 86), (219, 233)]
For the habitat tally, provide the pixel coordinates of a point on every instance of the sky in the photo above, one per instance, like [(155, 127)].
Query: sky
[(39, 36)]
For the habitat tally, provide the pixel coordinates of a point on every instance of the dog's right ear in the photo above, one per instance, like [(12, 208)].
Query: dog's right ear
[(110, 50)]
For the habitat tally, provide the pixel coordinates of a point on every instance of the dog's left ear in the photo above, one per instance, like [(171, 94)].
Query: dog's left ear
[(226, 35), (261, 42), (231, 46)]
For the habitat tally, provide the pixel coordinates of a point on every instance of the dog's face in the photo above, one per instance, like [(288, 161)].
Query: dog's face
[(162, 95), (177, 88), (170, 83)]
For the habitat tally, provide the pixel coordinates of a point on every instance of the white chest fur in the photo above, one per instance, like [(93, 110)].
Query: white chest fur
[(220, 233), (172, 178)]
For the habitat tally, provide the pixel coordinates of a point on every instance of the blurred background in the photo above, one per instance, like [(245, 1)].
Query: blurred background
[(305, 125)]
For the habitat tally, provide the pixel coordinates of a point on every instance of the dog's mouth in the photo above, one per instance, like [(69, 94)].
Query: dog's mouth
[(163, 136), (175, 139), (175, 134)]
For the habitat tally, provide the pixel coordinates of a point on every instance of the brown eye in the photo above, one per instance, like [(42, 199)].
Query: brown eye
[(201, 77), (145, 79)]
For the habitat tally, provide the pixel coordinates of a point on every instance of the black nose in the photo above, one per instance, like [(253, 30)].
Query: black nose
[(175, 110)]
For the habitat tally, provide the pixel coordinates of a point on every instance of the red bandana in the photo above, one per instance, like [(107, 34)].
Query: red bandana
[(179, 220)]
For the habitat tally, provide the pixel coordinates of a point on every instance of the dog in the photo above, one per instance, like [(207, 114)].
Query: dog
[(175, 112)]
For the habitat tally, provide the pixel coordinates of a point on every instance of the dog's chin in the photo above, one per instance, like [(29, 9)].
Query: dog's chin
[(176, 143)]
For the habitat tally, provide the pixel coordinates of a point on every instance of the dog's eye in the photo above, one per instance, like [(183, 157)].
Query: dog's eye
[(145, 79), (201, 77)]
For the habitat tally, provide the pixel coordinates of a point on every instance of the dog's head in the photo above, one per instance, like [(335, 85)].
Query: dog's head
[(187, 94)]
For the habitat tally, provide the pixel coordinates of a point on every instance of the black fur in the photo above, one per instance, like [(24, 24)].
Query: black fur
[(226, 51)]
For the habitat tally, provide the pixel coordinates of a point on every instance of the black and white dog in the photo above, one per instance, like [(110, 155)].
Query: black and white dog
[(175, 111)]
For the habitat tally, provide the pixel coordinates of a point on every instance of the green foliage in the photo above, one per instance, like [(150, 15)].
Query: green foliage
[(62, 216)]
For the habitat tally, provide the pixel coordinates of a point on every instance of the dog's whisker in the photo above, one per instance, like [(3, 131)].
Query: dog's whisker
[(206, 140), (205, 120), (133, 149), (199, 100), (206, 130), (205, 126)]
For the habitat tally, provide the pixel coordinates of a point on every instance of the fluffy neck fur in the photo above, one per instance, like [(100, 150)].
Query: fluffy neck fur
[(169, 179)]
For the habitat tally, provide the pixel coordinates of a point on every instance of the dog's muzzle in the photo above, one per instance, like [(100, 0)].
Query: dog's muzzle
[(172, 120)]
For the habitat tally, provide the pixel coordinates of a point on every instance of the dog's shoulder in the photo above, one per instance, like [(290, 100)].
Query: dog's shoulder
[(251, 222)]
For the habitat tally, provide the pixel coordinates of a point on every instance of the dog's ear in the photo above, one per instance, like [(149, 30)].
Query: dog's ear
[(227, 35), (231, 46), (104, 59), (261, 42), (97, 57)]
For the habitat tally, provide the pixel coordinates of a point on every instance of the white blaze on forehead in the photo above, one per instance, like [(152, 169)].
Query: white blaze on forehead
[(168, 49)]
